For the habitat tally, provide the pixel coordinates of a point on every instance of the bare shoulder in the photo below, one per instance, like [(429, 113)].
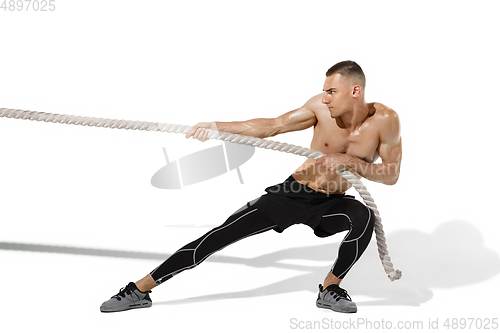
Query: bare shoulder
[(384, 112), (387, 119), (315, 104)]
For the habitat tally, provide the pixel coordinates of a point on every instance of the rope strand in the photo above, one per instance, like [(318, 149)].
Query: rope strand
[(224, 136)]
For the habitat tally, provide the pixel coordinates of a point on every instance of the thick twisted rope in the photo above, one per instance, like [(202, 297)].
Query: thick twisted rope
[(383, 253), (224, 136), (161, 127)]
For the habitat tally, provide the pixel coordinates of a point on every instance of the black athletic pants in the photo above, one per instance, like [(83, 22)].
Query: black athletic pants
[(346, 215)]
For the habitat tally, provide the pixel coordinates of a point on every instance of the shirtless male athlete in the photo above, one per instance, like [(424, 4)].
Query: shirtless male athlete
[(352, 134)]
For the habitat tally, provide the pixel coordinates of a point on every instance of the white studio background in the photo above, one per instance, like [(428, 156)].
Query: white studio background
[(72, 187)]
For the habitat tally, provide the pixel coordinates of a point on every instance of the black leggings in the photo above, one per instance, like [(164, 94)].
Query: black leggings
[(349, 214)]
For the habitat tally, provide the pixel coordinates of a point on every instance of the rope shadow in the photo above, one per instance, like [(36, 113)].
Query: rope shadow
[(428, 261)]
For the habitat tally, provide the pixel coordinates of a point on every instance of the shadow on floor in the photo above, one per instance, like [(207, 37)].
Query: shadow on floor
[(428, 261)]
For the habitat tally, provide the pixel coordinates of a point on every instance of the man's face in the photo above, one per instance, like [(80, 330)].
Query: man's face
[(338, 95)]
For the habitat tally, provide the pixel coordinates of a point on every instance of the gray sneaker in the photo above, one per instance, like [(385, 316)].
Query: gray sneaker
[(336, 299), (127, 298)]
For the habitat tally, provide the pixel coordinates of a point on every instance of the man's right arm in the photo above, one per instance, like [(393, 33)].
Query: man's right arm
[(296, 120)]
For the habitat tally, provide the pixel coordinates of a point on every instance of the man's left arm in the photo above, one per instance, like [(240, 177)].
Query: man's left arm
[(390, 151)]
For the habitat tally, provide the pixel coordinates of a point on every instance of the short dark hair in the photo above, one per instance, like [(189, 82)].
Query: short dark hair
[(348, 68)]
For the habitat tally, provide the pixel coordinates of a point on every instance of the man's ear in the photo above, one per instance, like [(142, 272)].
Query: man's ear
[(356, 91)]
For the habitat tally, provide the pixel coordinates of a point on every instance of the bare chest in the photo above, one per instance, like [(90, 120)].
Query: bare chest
[(362, 143)]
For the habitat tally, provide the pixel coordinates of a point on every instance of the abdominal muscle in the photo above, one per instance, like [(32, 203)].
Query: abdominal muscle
[(320, 179)]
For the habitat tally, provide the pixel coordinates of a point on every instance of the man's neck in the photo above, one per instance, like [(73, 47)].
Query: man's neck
[(351, 120)]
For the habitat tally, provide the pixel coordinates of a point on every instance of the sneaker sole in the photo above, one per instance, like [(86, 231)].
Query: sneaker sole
[(325, 305), (142, 304)]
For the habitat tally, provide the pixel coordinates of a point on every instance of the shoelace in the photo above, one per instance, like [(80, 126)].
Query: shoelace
[(121, 294), (340, 293)]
